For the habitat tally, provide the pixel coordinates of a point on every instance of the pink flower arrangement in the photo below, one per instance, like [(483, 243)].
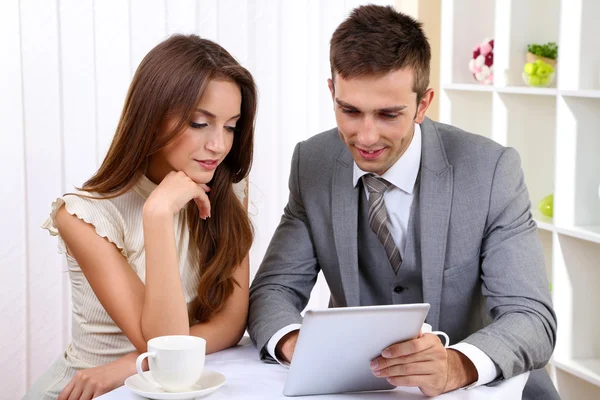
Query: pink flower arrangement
[(482, 63)]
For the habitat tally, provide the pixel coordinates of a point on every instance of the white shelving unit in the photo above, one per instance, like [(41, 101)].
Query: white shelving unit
[(557, 133)]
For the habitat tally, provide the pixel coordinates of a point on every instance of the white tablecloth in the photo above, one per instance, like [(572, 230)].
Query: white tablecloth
[(249, 378)]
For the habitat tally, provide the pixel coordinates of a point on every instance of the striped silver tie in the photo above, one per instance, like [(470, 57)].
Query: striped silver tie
[(378, 218)]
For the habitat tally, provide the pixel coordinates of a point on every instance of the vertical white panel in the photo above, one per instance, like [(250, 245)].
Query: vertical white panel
[(332, 13), (148, 28), (181, 16), (566, 166), (570, 50), (497, 114), (13, 257), (446, 47), (233, 28), (313, 61), (207, 11), (589, 74), (502, 44), (79, 90), (79, 108), (293, 90), (43, 142), (111, 24), (265, 205)]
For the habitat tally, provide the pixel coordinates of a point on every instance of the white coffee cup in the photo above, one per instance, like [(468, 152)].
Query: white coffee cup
[(426, 328), (175, 362)]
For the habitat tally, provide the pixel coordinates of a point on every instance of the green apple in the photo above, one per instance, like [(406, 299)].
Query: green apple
[(543, 71), (535, 80), (544, 81), (546, 205), (530, 69), (538, 62)]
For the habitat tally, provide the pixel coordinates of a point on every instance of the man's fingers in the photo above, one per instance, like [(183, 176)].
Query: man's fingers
[(418, 368), (410, 380), (380, 362), (410, 346)]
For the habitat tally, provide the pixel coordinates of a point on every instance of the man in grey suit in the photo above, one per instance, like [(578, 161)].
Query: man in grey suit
[(395, 208)]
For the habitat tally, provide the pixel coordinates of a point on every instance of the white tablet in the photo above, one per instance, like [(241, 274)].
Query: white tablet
[(336, 346)]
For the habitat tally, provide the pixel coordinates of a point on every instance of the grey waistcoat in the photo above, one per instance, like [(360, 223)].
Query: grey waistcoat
[(378, 283)]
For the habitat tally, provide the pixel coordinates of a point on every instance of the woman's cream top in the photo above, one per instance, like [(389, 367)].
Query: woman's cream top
[(96, 339)]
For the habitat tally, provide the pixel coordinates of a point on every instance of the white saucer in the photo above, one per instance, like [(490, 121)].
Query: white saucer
[(208, 383)]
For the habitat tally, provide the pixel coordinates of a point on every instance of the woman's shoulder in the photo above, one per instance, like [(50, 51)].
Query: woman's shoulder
[(106, 215)]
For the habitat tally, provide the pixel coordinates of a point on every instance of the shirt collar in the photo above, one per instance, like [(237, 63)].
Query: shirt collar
[(144, 186), (403, 173)]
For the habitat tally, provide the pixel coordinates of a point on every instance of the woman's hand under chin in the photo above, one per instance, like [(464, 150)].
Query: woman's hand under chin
[(174, 192)]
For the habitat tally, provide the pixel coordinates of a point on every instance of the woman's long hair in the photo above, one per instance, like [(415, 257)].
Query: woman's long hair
[(170, 80)]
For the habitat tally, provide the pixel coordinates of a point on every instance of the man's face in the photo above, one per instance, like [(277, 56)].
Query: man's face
[(376, 115)]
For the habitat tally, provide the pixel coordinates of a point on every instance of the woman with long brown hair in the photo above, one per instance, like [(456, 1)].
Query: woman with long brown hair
[(157, 240)]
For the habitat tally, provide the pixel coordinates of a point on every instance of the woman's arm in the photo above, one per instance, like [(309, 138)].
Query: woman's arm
[(165, 310), (159, 307), (115, 283)]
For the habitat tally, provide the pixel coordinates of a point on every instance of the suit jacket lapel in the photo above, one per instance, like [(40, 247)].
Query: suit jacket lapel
[(435, 200), (344, 211)]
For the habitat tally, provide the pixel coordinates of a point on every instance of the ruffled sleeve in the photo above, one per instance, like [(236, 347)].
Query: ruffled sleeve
[(100, 213)]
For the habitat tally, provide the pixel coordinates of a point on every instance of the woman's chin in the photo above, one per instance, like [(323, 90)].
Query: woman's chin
[(201, 177)]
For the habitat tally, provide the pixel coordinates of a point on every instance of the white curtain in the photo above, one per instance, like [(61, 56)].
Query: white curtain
[(64, 71)]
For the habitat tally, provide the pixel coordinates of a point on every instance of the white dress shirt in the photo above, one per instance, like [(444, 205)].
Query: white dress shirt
[(403, 177)]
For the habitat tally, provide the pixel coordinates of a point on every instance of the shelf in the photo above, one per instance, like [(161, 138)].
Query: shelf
[(576, 275), (529, 126), (469, 87), (588, 233), (556, 132), (527, 90), (471, 111), (475, 87), (586, 369), (593, 94), (544, 223), (579, 159)]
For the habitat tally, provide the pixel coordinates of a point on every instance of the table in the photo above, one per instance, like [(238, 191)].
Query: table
[(249, 378)]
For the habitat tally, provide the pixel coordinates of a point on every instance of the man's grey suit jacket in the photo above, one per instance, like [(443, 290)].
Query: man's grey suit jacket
[(482, 263)]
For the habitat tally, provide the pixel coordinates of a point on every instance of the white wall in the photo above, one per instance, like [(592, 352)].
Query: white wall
[(64, 71)]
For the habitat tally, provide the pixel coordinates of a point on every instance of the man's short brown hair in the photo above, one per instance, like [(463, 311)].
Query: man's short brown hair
[(376, 40)]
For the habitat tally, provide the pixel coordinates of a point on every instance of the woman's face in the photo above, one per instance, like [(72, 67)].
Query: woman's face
[(206, 139)]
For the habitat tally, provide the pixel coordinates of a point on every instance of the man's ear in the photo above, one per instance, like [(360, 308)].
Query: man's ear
[(423, 105), (331, 88)]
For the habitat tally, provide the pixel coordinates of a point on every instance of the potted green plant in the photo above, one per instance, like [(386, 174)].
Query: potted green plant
[(541, 62), (548, 53)]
